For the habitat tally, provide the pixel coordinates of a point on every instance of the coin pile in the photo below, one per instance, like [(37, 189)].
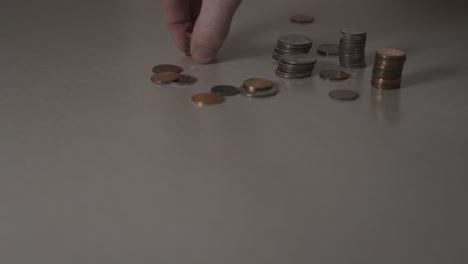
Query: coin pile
[(352, 48), (258, 87), (292, 44), (171, 74), (188, 40), (296, 65), (388, 68)]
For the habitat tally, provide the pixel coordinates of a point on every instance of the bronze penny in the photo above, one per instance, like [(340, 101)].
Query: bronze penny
[(185, 80), (167, 68), (302, 19), (202, 99), (164, 77), (343, 95), (334, 75), (254, 84)]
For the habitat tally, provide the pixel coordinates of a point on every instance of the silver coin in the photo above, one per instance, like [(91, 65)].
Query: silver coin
[(343, 95), (352, 31), (288, 75), (299, 58), (295, 40), (226, 90), (261, 93), (328, 49)]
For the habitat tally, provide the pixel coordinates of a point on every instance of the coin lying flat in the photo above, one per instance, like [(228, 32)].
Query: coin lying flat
[(391, 54), (225, 90), (164, 77), (255, 84), (302, 19), (343, 95), (202, 99), (167, 68), (328, 49), (185, 80), (334, 75), (259, 93)]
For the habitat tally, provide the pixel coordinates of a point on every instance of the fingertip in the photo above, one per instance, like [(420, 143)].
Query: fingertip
[(204, 55)]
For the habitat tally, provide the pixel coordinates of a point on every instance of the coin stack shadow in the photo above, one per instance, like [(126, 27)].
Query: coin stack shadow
[(188, 40), (296, 65), (388, 68), (352, 48), (292, 44)]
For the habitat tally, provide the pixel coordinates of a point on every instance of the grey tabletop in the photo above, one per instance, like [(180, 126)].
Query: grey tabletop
[(99, 165)]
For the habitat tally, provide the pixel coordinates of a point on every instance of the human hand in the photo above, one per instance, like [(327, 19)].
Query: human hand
[(210, 19)]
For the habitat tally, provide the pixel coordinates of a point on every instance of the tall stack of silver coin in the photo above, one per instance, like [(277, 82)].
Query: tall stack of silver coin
[(296, 65), (292, 44), (352, 48)]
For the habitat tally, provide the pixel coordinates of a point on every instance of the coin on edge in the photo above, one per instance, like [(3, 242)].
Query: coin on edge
[(167, 68), (343, 95), (225, 90), (165, 77), (334, 75), (302, 19), (185, 80), (254, 84), (203, 99)]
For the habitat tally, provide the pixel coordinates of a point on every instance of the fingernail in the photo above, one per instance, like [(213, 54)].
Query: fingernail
[(204, 55)]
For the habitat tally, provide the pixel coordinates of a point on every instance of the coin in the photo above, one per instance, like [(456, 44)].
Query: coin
[(334, 75), (343, 95), (202, 99), (185, 80), (164, 77), (302, 19), (391, 54), (292, 44), (259, 93), (328, 49), (167, 68), (351, 50), (226, 90), (254, 84)]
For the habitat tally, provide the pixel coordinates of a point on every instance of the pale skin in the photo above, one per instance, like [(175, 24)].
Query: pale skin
[(210, 19)]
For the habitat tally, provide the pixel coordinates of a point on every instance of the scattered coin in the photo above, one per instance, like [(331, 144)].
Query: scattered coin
[(203, 99), (225, 90), (343, 95), (255, 84), (164, 77), (334, 75), (328, 49), (167, 68), (302, 19), (185, 80), (259, 93)]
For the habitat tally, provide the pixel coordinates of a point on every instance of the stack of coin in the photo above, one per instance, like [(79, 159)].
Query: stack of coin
[(296, 65), (388, 68), (258, 87), (292, 44), (188, 40), (352, 48)]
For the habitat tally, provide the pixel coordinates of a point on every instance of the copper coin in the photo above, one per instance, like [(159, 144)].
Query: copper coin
[(167, 68), (334, 75), (185, 80), (254, 84), (202, 99), (225, 90), (343, 95), (164, 77), (391, 54), (302, 19)]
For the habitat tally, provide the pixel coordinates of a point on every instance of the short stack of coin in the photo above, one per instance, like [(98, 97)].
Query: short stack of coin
[(296, 65), (388, 68), (188, 40), (352, 48), (292, 44), (258, 87)]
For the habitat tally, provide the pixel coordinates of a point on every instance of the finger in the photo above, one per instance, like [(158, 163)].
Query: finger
[(212, 28), (178, 19)]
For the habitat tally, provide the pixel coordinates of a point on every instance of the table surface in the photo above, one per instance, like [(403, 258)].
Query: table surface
[(99, 165)]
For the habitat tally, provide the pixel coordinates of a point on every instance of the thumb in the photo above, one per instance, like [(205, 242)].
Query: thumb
[(211, 28)]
